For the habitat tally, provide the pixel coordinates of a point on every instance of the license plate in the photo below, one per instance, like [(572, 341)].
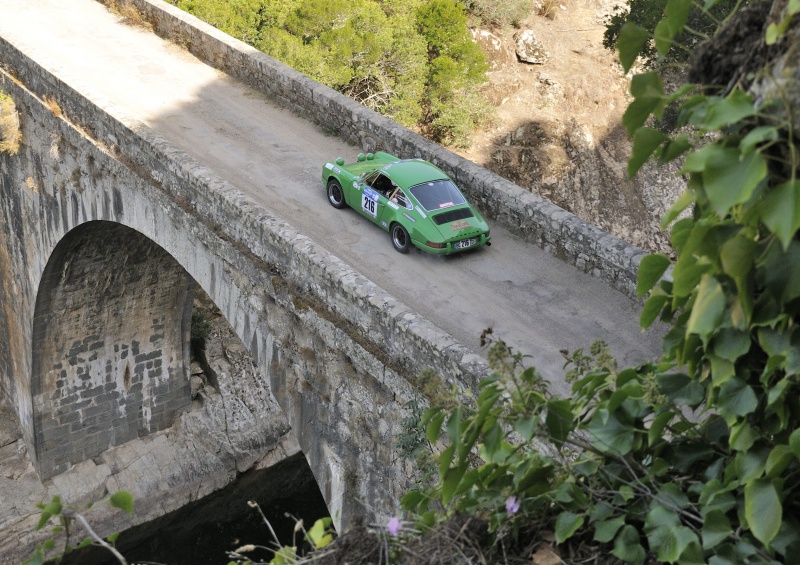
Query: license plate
[(464, 243)]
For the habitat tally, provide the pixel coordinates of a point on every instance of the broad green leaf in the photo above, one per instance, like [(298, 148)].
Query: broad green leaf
[(780, 211), (763, 509), (676, 12), (663, 36), (743, 436), (716, 528), (683, 201), (736, 397), (605, 530), (687, 274), (665, 534), (113, 537), (631, 40), (657, 427), (123, 500), (737, 256), (757, 136), (681, 389), (708, 310), (567, 524), (715, 496), (526, 427), (319, 534), (721, 370), (453, 427), (729, 178), (731, 344), (628, 547), (779, 458), (450, 481), (559, 419), (751, 464), (412, 500), (651, 269), (780, 273), (43, 519), (725, 111), (645, 142), (612, 436), (794, 443), (674, 148), (648, 93), (652, 308), (435, 426), (670, 494)]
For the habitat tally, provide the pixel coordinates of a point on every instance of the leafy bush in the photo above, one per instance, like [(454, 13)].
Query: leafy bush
[(10, 134), (702, 22), (382, 54), (692, 458), (499, 12)]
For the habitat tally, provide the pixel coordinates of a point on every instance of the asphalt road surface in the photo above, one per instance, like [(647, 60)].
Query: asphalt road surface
[(535, 302)]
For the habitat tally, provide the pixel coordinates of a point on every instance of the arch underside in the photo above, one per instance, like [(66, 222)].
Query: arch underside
[(110, 344)]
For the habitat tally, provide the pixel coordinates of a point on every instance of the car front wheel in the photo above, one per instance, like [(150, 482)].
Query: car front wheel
[(335, 194), (400, 238)]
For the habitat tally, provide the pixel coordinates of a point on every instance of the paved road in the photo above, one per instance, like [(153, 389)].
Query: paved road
[(535, 302)]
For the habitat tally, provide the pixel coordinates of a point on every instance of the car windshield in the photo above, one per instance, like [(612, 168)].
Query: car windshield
[(437, 194)]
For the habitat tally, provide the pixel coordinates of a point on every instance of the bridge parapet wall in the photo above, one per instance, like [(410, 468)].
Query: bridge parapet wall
[(342, 383), (539, 221)]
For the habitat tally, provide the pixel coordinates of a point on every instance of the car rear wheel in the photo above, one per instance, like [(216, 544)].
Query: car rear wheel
[(335, 194), (400, 238)]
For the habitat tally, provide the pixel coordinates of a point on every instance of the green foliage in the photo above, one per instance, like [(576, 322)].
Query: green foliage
[(64, 519), (689, 24), (320, 536), (693, 458), (382, 54), (499, 12)]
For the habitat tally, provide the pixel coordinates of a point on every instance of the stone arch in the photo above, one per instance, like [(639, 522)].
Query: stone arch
[(109, 345)]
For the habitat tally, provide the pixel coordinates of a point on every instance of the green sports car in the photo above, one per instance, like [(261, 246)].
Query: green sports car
[(411, 199)]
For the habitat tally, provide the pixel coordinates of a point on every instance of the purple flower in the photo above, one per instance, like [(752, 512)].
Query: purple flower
[(512, 505), (394, 526)]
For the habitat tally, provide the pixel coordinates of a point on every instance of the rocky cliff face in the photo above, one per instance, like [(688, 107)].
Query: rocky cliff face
[(557, 131)]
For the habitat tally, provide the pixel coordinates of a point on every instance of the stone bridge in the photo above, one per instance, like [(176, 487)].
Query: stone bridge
[(106, 230)]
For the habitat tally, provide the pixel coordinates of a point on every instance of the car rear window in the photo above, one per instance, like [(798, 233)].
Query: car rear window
[(437, 194)]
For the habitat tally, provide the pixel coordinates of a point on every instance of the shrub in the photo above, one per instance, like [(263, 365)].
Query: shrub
[(10, 133), (381, 54), (692, 458), (499, 12)]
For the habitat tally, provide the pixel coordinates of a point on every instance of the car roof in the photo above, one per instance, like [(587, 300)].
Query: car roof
[(411, 172)]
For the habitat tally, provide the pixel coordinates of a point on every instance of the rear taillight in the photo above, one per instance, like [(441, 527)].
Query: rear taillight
[(435, 245)]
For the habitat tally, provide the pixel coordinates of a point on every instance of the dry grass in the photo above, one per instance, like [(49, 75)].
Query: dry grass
[(52, 103), (10, 133), (548, 9), (129, 14)]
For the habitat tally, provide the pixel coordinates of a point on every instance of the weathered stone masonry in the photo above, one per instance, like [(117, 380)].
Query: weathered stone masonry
[(339, 353), (563, 234), (107, 388)]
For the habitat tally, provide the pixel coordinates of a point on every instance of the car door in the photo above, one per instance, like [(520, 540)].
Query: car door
[(396, 203), (372, 199)]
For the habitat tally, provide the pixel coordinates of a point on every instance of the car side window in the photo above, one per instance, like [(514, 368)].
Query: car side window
[(369, 178), (400, 198)]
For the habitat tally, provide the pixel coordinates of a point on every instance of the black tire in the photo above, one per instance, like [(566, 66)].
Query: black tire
[(335, 194), (400, 238)]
